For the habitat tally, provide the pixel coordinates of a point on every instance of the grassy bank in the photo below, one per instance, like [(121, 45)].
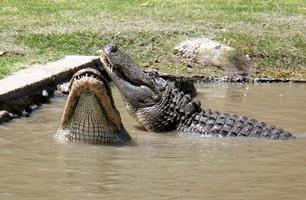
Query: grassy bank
[(271, 32)]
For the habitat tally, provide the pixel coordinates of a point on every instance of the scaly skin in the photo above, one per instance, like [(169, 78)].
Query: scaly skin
[(179, 111), (90, 114), (160, 107)]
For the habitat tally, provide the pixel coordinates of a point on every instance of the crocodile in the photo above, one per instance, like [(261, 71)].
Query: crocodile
[(159, 106), (90, 114)]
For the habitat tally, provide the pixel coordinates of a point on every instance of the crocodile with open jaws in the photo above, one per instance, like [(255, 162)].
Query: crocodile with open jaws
[(90, 114), (160, 107)]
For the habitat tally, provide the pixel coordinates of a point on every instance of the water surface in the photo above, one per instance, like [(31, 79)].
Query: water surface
[(162, 166)]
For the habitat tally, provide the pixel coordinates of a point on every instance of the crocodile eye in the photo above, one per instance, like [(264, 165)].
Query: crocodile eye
[(150, 73), (113, 48)]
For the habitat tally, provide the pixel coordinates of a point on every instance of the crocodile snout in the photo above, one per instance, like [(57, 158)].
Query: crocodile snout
[(111, 48)]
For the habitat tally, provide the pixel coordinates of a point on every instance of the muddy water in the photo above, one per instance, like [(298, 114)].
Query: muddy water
[(162, 166)]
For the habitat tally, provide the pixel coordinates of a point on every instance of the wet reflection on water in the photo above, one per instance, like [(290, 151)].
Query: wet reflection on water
[(162, 166)]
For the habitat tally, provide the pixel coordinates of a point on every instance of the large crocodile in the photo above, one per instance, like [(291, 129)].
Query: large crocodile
[(90, 114), (159, 106)]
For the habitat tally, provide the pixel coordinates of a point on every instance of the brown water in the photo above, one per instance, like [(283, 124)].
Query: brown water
[(162, 166)]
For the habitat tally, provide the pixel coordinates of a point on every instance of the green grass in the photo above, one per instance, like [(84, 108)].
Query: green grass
[(271, 32)]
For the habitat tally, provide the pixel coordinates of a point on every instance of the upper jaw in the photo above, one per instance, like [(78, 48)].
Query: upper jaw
[(117, 61), (124, 71)]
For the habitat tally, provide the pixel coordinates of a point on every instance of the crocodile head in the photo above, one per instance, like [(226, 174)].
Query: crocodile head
[(139, 88), (90, 114)]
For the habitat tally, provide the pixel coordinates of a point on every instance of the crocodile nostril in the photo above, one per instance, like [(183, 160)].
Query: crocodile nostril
[(112, 48)]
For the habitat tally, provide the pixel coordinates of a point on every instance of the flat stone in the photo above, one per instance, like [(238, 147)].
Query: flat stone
[(5, 116), (212, 53)]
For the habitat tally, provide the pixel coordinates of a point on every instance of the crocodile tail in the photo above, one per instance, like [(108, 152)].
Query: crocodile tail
[(211, 123)]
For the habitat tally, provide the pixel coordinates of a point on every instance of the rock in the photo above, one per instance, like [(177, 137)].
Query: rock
[(2, 53), (45, 96), (5, 116), (25, 114), (212, 53), (44, 93), (28, 109), (63, 88), (34, 107)]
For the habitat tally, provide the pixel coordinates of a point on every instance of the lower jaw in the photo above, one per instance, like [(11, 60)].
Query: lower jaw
[(101, 138), (80, 135)]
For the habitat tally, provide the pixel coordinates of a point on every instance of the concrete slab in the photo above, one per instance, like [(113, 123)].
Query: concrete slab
[(33, 85), (38, 76)]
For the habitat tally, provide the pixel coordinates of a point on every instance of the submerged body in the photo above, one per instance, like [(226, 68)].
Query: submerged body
[(90, 114), (159, 106)]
